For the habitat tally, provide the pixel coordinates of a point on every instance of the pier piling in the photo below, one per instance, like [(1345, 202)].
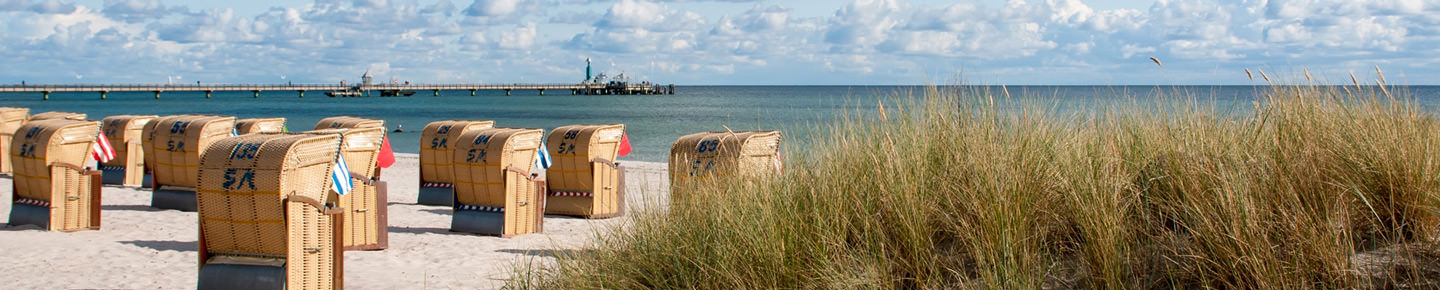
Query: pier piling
[(302, 93), (507, 92), (103, 93), (472, 93), (207, 94), (157, 95), (46, 96), (257, 93), (437, 93), (542, 92)]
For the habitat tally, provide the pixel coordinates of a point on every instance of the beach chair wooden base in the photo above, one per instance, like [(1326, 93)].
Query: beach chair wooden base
[(443, 196), (29, 214), (240, 276), (118, 175), (382, 231), (583, 206), (173, 197)]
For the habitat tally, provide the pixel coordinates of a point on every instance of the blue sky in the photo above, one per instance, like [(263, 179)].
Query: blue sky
[(717, 42)]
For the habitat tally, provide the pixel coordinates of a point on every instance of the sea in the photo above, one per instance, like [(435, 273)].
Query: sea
[(653, 122)]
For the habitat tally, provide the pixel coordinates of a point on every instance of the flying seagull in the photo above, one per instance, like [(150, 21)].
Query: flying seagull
[(1156, 60)]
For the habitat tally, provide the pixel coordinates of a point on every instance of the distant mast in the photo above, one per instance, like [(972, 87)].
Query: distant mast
[(587, 69)]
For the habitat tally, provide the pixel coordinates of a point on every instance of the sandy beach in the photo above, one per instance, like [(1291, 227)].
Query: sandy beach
[(139, 247)]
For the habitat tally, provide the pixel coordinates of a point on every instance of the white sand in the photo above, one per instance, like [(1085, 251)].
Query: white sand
[(139, 247)]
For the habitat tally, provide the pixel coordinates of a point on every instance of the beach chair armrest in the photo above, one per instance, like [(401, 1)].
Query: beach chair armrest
[(612, 164), (521, 172), (77, 168), (307, 200), (362, 178)]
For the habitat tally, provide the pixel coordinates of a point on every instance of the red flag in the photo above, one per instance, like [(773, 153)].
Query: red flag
[(624, 144), (101, 150), (387, 156)]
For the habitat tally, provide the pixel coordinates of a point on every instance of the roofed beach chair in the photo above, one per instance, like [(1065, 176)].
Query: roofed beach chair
[(51, 188), (366, 222), (10, 120), (173, 145), (265, 218), (346, 122), (259, 125), (584, 180), (723, 154), (58, 115), (496, 192), (339, 122), (128, 166), (436, 174)]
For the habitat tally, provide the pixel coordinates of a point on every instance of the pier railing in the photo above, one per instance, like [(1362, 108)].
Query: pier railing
[(580, 88)]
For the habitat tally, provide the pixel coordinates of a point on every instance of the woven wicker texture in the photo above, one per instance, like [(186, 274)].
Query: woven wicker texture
[(721, 154), (253, 202), (174, 144), (122, 130), (10, 120), (57, 115), (436, 147), (40, 146), (574, 150), (482, 158), (359, 147), (260, 125), (339, 122)]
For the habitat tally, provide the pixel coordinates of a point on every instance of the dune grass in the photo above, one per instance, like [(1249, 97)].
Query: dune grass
[(1316, 187)]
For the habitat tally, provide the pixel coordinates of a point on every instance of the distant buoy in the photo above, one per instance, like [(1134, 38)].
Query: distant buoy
[(399, 129)]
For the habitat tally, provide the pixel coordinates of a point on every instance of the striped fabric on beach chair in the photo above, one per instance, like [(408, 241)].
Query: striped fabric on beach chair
[(436, 152), (173, 145), (496, 192), (52, 189), (124, 133), (265, 217), (585, 181)]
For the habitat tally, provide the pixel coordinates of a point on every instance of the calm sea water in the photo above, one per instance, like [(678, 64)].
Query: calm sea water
[(652, 122)]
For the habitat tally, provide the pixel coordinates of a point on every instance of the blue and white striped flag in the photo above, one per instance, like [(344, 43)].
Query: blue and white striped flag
[(340, 177), (234, 132), (542, 157)]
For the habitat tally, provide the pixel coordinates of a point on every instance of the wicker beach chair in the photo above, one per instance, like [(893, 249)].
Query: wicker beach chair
[(340, 122), (436, 152), (495, 191), (346, 122), (58, 115), (265, 219), (128, 166), (584, 180), (10, 120), (173, 145), (51, 188), (366, 207), (259, 125), (723, 154)]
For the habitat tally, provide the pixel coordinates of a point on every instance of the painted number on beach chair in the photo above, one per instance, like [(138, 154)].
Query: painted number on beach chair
[(27, 150), (438, 143), (245, 151), (178, 127), (571, 134), (701, 168), (475, 156), (173, 146), (708, 146), (565, 148), (32, 132), (482, 140), (236, 179)]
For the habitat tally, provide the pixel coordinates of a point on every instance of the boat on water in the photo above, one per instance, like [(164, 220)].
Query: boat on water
[(367, 84)]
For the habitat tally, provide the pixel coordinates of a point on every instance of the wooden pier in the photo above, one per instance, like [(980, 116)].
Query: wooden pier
[(362, 90)]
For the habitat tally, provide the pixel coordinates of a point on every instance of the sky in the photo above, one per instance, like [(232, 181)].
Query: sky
[(720, 42)]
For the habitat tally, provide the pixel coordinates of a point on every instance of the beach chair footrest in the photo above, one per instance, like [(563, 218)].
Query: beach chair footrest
[(25, 214), (182, 200), (485, 223), (230, 276), (112, 175), (443, 196)]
